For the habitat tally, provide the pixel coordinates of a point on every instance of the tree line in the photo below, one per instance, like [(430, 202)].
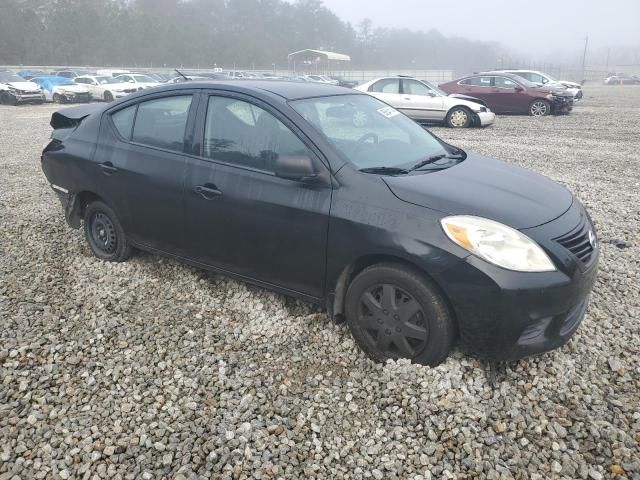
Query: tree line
[(201, 33)]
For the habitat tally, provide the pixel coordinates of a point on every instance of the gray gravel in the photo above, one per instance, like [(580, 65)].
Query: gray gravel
[(152, 369)]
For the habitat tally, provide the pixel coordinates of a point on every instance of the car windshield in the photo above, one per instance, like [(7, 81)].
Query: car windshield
[(434, 87), (6, 77), (63, 81), (105, 80), (143, 79), (369, 133)]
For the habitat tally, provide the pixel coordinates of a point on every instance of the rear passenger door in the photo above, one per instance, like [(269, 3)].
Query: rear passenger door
[(241, 217), (387, 90), (140, 163)]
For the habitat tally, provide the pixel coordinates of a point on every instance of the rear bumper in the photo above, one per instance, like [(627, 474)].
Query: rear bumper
[(485, 118)]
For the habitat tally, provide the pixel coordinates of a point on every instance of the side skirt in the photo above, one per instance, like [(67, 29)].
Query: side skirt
[(269, 286)]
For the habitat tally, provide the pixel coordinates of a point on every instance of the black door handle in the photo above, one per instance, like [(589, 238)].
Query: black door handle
[(108, 168), (207, 191)]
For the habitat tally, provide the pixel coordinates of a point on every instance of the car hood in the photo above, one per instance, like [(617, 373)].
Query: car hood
[(486, 187), (24, 86), (569, 84), (466, 99), (559, 90)]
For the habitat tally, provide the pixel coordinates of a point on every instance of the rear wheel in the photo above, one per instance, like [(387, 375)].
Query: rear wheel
[(108, 97), (104, 233), (394, 312), (540, 108), (459, 117)]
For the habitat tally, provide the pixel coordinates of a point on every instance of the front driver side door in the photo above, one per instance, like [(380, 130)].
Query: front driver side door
[(420, 102), (240, 216)]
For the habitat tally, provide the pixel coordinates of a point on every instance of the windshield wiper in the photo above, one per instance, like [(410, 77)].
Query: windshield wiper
[(385, 170), (433, 159)]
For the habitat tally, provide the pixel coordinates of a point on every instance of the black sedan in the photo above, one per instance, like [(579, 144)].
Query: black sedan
[(334, 197)]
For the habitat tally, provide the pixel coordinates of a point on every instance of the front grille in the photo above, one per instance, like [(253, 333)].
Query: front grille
[(578, 241), (129, 90)]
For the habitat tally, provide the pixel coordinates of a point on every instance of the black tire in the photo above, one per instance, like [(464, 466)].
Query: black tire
[(425, 336), (104, 233), (8, 99), (57, 98), (540, 108), (108, 97), (459, 117)]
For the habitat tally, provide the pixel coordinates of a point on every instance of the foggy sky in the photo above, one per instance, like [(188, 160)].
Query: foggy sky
[(535, 27)]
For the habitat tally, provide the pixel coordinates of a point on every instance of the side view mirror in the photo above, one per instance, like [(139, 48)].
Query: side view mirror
[(294, 167), (518, 88), (431, 93)]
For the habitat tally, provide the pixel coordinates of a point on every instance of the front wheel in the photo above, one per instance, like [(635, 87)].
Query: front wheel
[(394, 312), (104, 233), (108, 97), (540, 108), (458, 117), (57, 98)]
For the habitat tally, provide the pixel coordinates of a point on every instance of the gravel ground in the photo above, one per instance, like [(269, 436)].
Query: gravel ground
[(152, 369)]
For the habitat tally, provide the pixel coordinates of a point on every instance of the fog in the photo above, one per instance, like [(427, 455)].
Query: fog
[(540, 29)]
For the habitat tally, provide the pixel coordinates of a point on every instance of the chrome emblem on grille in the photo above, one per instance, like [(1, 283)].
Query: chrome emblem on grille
[(592, 239)]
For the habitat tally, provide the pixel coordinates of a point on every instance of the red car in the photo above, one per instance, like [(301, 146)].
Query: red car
[(507, 93)]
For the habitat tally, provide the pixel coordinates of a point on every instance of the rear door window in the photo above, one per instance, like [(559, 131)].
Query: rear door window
[(478, 81), (162, 122), (386, 85)]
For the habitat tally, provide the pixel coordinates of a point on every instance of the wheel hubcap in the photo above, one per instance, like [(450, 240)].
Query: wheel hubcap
[(458, 118), (103, 233), (393, 321), (539, 109)]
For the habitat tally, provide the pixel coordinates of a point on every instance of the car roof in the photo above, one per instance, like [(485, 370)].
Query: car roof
[(282, 88)]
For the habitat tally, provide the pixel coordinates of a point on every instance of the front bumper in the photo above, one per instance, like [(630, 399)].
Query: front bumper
[(76, 97), (505, 315), (485, 118), (28, 97), (561, 104)]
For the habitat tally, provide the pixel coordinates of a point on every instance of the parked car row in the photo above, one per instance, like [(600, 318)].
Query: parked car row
[(469, 101), (622, 79)]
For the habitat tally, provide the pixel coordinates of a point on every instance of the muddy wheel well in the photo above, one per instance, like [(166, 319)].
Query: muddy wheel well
[(78, 205)]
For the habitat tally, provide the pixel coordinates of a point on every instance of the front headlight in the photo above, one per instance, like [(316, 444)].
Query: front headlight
[(496, 243)]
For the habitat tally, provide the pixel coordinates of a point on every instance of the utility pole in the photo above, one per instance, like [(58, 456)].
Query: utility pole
[(584, 56)]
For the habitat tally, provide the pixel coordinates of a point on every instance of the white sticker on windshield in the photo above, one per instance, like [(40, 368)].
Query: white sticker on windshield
[(388, 112)]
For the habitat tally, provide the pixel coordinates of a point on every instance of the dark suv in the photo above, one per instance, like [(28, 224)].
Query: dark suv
[(336, 198)]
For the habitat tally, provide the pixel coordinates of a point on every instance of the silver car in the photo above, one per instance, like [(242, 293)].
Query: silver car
[(424, 102)]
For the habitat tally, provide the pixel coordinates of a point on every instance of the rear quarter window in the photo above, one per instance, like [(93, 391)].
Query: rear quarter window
[(123, 121)]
